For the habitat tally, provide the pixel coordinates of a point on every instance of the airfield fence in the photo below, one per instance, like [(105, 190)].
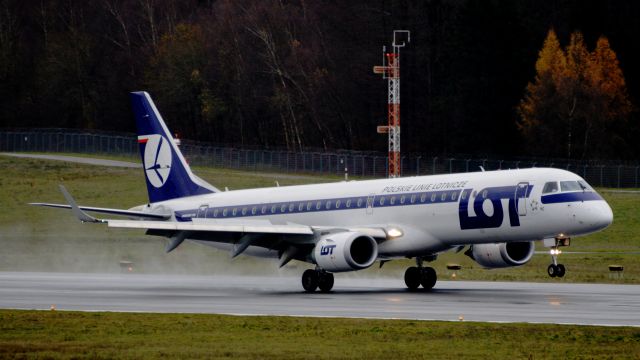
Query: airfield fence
[(361, 164)]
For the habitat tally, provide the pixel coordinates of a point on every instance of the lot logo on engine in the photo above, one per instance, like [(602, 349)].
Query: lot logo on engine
[(327, 249)]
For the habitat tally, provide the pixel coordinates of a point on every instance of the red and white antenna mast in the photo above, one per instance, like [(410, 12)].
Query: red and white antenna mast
[(390, 70)]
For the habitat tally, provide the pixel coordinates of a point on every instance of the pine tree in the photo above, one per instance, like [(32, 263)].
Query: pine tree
[(575, 97)]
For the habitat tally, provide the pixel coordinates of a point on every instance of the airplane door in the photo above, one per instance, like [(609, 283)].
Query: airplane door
[(521, 198), (202, 211), (370, 203)]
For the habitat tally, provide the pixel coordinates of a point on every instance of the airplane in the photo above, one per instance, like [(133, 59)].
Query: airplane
[(349, 225)]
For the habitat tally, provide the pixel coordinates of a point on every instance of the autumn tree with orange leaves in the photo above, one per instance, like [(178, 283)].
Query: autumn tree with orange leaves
[(576, 102)]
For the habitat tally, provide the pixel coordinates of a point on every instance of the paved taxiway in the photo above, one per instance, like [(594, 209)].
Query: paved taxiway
[(589, 304)]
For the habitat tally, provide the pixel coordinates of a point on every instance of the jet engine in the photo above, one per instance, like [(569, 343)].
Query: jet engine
[(345, 251), (500, 255)]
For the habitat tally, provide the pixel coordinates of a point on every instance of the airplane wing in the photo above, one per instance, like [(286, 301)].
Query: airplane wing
[(251, 226), (287, 238)]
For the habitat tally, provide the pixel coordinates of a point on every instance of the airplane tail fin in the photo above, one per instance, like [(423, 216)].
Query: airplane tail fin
[(167, 173)]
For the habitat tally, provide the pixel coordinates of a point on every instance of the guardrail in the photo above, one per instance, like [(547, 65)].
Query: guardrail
[(605, 174)]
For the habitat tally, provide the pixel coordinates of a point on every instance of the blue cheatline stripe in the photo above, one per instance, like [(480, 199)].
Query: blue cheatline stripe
[(318, 205), (570, 197)]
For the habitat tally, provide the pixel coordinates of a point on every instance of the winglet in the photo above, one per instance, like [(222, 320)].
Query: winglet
[(81, 215)]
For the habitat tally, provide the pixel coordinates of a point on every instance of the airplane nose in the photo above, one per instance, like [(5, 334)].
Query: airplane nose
[(601, 216), (607, 214)]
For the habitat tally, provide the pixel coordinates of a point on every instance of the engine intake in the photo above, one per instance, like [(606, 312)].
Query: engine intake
[(500, 255), (345, 251)]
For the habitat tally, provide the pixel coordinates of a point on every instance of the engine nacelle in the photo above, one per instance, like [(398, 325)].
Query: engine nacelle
[(502, 255), (345, 251)]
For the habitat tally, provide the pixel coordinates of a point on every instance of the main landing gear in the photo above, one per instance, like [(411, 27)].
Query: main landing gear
[(419, 275), (313, 279)]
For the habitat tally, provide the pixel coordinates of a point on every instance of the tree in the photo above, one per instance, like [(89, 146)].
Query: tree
[(176, 74), (575, 95)]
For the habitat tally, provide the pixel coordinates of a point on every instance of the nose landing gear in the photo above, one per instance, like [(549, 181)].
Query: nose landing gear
[(555, 269)]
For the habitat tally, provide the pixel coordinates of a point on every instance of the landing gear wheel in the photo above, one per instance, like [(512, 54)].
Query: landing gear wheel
[(553, 270), (561, 270), (310, 280), (428, 278), (412, 278), (325, 281)]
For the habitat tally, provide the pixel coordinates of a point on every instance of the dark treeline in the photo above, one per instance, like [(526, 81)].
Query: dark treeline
[(298, 74)]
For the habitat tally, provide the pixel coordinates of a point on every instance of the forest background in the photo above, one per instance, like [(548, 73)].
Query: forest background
[(298, 74)]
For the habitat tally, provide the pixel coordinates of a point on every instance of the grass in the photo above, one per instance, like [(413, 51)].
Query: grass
[(60, 335), (53, 240)]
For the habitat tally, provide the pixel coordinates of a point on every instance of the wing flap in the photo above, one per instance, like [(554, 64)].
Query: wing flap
[(247, 227)]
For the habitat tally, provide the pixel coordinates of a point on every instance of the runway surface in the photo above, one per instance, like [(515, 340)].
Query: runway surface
[(561, 303)]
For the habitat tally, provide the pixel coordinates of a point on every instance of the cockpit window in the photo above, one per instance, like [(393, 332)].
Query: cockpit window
[(584, 186), (550, 187), (570, 186)]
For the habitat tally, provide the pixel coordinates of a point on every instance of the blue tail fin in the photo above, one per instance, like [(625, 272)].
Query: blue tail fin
[(168, 174)]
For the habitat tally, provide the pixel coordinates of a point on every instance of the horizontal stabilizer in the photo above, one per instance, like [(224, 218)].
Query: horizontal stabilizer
[(129, 213)]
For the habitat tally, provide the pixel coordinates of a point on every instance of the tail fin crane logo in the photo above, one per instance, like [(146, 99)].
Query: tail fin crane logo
[(157, 158)]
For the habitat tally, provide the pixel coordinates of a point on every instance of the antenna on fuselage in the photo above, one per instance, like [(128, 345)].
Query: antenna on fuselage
[(481, 168)]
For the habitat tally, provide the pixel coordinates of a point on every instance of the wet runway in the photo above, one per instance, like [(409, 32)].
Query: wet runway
[(562, 303)]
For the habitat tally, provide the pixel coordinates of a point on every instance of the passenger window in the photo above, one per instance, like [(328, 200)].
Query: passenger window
[(291, 207), (433, 197), (244, 211), (381, 200), (359, 202), (235, 210), (283, 208), (454, 196), (338, 203), (423, 197), (550, 187), (570, 186), (402, 199), (318, 205), (301, 206), (264, 209), (393, 200), (273, 209), (444, 196), (309, 205), (463, 196), (327, 205), (413, 198), (224, 212), (349, 203), (484, 194), (254, 210)]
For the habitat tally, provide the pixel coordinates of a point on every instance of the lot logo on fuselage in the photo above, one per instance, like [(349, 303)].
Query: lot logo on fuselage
[(494, 195), (157, 159)]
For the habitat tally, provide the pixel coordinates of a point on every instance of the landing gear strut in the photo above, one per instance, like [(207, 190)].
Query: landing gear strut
[(555, 269), (416, 276), (313, 279)]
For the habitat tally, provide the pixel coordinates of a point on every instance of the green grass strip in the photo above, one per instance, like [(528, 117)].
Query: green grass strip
[(62, 335)]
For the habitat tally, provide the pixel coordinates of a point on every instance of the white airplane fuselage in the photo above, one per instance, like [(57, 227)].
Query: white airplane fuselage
[(433, 213)]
